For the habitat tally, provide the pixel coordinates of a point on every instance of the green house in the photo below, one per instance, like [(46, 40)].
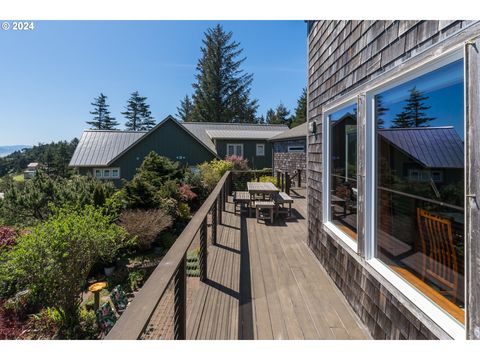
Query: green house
[(116, 155)]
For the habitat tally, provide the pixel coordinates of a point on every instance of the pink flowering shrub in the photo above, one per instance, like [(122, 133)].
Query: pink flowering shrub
[(186, 193), (7, 237), (239, 163)]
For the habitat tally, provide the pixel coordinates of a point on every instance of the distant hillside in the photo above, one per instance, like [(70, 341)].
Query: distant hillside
[(7, 150)]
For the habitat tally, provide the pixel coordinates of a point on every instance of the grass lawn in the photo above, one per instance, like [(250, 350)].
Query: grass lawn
[(18, 178)]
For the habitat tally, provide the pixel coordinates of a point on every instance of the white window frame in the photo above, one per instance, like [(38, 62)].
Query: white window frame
[(235, 146), (291, 147), (327, 210), (427, 306), (102, 173), (259, 146)]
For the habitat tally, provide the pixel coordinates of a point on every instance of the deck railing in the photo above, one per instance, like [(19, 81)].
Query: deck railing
[(171, 275)]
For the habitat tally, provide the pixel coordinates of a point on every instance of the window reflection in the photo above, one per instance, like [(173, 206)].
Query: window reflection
[(343, 169), (420, 184)]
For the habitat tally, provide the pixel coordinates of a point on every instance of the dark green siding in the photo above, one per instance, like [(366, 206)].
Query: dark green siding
[(168, 140), (249, 152)]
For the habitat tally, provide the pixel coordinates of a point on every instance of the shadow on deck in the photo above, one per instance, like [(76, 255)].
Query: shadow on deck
[(265, 283)]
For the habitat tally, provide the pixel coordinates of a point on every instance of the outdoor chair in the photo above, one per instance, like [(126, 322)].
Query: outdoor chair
[(282, 199), (243, 199), (119, 298), (264, 210), (440, 263), (106, 317)]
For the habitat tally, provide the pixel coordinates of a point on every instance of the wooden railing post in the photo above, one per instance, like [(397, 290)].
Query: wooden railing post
[(180, 301), (219, 208), (203, 251), (287, 183), (214, 223), (283, 181), (299, 181)]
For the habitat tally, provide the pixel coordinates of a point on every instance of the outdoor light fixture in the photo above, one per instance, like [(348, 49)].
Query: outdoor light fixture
[(312, 127)]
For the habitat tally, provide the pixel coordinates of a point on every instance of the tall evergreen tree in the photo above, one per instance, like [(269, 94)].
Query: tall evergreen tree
[(301, 110), (138, 114), (380, 110), (281, 115), (222, 89), (101, 115), (414, 112), (185, 110)]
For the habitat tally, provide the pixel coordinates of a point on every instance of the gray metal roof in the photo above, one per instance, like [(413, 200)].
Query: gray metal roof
[(293, 133), (434, 147), (205, 131), (99, 147)]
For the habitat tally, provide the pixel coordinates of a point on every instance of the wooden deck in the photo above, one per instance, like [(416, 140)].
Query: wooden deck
[(265, 283)]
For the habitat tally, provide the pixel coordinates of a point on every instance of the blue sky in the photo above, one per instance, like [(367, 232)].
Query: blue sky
[(50, 75)]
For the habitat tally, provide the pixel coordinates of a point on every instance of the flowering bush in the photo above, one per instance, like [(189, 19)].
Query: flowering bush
[(211, 172), (7, 237), (267, 178), (239, 163), (186, 193)]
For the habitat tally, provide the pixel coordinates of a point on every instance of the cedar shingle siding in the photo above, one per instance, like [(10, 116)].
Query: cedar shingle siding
[(343, 56)]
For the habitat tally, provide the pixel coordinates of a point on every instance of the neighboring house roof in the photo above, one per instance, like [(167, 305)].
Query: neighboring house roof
[(100, 147), (207, 132), (297, 132), (433, 147), (103, 147)]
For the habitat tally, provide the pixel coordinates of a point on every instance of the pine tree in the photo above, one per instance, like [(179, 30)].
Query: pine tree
[(301, 110), (222, 89), (102, 119), (380, 110), (281, 115), (137, 113), (185, 110), (413, 114)]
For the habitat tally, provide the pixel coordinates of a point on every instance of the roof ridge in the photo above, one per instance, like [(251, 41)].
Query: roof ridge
[(225, 123), (117, 131)]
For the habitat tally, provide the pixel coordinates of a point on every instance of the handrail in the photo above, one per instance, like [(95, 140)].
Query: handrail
[(136, 317), (421, 198)]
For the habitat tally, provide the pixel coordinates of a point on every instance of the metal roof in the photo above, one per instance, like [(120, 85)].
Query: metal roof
[(434, 147), (293, 133), (99, 147), (202, 131)]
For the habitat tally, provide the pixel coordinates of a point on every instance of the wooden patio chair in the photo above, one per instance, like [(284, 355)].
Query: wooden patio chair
[(440, 263)]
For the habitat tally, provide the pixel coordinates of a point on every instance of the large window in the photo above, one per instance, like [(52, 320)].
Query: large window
[(343, 191), (420, 184), (260, 150), (107, 173)]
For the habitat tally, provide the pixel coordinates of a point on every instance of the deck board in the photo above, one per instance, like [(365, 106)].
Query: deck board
[(265, 283)]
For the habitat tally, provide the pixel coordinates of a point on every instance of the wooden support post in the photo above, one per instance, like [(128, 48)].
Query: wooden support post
[(219, 208), (203, 251), (299, 177), (180, 301), (287, 183), (224, 197), (278, 178), (214, 223)]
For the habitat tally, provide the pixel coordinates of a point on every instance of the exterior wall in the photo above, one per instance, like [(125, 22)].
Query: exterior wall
[(284, 160), (168, 140), (344, 57), (249, 152)]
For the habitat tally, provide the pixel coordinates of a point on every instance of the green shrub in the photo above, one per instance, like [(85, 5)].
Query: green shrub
[(168, 239), (54, 259), (183, 211), (267, 178), (212, 172), (136, 279)]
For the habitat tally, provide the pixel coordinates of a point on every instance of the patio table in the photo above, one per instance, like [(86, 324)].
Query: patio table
[(262, 188)]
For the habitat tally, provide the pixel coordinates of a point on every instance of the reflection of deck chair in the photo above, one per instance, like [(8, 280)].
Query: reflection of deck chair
[(106, 317), (119, 298), (342, 197), (439, 253)]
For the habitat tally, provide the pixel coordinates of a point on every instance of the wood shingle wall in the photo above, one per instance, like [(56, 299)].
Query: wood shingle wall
[(345, 57)]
